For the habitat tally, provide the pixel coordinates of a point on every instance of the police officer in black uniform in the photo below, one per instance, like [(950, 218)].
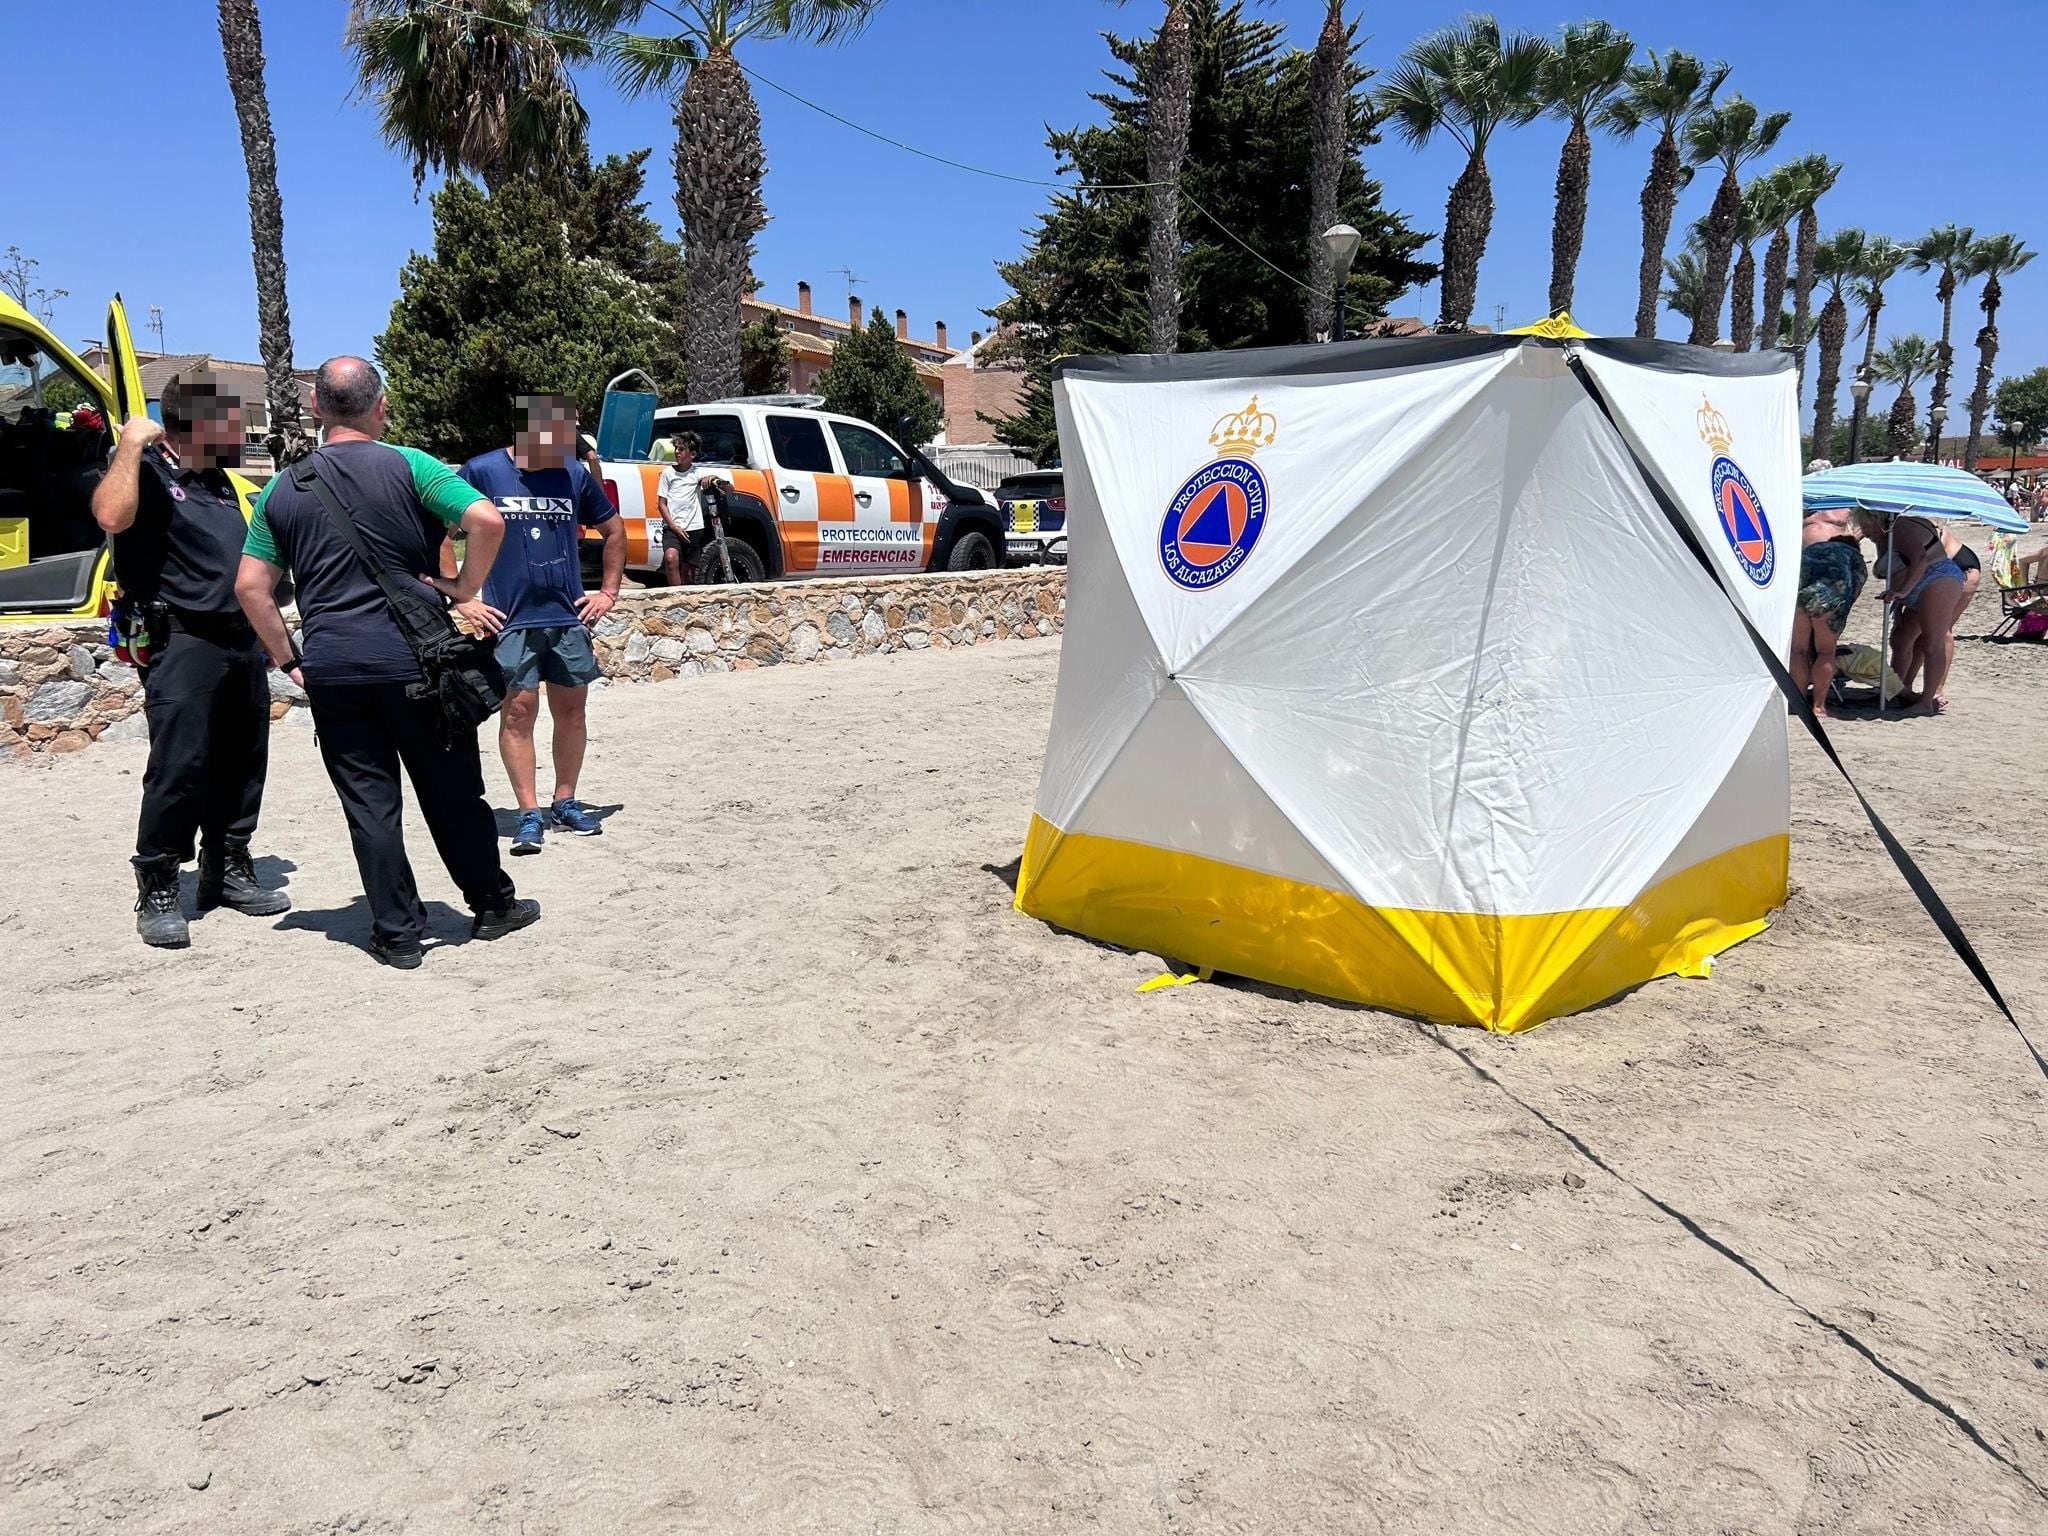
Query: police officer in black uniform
[(178, 532)]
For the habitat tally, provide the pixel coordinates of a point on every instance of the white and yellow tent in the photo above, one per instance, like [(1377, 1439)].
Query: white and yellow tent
[(1385, 675)]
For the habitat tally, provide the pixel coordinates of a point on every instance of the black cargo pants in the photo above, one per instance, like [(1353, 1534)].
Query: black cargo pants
[(367, 732), (207, 697)]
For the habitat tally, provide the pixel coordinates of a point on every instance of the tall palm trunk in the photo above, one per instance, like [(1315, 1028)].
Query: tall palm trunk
[(1660, 201), (1987, 358), (1834, 336), (1568, 227), (1899, 429), (1776, 259), (1329, 93), (1468, 220), (1742, 301), (1944, 354), (1861, 411), (1720, 246), (719, 163), (1802, 290), (1168, 111), (241, 42)]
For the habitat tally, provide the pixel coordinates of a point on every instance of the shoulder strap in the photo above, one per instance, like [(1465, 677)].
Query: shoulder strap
[(306, 476)]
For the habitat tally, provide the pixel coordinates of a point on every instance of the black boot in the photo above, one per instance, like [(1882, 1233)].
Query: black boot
[(158, 916), (227, 878)]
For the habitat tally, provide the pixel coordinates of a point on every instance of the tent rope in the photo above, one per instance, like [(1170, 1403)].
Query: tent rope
[(1908, 867), (1698, 1232)]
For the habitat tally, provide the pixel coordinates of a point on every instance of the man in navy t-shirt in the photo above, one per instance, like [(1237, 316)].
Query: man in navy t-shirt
[(535, 602)]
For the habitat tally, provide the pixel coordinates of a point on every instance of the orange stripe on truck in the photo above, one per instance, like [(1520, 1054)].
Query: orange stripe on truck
[(835, 499), (799, 547), (902, 505)]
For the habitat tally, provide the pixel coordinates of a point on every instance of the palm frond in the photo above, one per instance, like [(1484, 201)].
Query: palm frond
[(1667, 89), (1588, 65), (814, 21), (641, 65)]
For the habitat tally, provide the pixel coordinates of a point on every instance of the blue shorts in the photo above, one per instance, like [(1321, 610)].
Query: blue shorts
[(562, 657)]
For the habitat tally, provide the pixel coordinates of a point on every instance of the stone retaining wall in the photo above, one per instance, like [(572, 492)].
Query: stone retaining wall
[(61, 689)]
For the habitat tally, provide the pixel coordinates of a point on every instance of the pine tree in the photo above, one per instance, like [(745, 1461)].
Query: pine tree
[(529, 291), (764, 358), (873, 378), (1081, 284)]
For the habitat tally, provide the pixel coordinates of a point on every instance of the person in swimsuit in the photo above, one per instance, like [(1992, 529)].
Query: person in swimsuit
[(1831, 575), (1930, 590)]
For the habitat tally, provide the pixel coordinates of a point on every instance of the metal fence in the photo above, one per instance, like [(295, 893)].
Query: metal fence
[(982, 465)]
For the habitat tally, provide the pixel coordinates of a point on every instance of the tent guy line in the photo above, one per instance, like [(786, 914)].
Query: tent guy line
[(1909, 868), (1698, 1232)]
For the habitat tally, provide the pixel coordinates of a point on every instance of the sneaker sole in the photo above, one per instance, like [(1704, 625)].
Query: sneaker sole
[(168, 943), (398, 960), (520, 850)]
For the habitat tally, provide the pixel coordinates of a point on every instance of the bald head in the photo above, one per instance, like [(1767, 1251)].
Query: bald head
[(348, 392)]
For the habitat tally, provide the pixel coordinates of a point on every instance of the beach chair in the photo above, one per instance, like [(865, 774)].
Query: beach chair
[(2022, 608)]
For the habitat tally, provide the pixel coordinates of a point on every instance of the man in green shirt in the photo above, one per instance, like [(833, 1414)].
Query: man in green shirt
[(355, 663)]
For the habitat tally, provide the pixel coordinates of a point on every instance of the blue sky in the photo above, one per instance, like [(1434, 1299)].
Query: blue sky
[(125, 170)]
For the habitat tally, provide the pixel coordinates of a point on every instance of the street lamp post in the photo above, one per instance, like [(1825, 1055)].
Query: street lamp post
[(1340, 244), (1937, 416), (1861, 390)]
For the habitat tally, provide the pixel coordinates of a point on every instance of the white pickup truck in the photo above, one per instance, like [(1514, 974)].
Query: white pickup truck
[(810, 494)]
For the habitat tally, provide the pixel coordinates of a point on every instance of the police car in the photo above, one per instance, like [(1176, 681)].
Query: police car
[(1034, 506), (58, 420), (810, 493)]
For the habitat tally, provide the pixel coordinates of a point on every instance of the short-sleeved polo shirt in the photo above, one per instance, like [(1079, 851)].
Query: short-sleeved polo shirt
[(403, 502)]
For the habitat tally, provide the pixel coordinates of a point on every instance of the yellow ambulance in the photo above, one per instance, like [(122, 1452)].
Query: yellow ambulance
[(58, 419)]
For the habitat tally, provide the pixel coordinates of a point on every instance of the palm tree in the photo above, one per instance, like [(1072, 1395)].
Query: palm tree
[(719, 160), (1465, 80), (1752, 222), (1776, 212), (1836, 261), (1882, 258), (1733, 134), (1584, 72), (1329, 94), (1683, 296), (482, 88), (1905, 361), (1170, 72), (1946, 250), (1807, 180), (241, 45), (1669, 90), (1991, 258)]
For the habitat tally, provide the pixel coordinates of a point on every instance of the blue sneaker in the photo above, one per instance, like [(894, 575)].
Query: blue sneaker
[(527, 835), (574, 816)]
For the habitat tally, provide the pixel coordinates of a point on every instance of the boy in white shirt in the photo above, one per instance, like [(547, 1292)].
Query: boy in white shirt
[(681, 510)]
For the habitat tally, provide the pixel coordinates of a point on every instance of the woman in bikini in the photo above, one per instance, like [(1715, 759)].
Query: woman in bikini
[(1931, 590)]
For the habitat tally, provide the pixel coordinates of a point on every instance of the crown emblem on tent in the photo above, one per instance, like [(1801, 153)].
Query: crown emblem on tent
[(1246, 431), (1714, 427)]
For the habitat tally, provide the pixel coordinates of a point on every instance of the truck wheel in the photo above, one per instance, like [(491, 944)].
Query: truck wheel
[(972, 552), (748, 567)]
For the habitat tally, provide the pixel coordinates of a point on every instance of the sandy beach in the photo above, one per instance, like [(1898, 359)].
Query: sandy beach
[(785, 1179)]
